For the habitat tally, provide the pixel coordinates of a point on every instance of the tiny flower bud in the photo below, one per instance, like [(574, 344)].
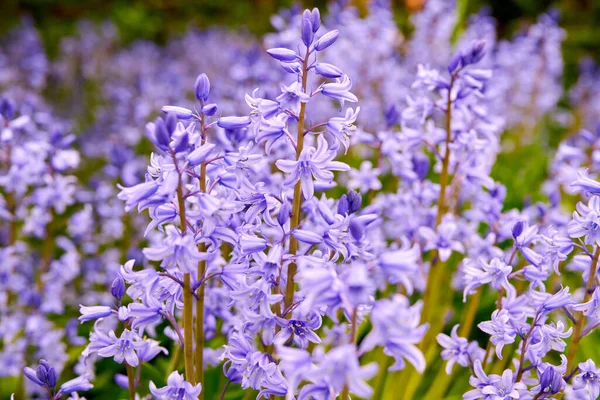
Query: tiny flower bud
[(171, 123), (354, 201), (328, 70), (180, 112), (455, 62), (315, 19), (7, 108), (41, 372), (284, 213), (202, 87), (209, 110), (51, 377), (343, 205), (117, 289), (233, 122), (283, 54), (307, 29), (327, 40), (517, 229)]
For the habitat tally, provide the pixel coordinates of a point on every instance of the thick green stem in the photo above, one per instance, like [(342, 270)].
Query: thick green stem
[(130, 381), (200, 291), (580, 321), (297, 201), (188, 304)]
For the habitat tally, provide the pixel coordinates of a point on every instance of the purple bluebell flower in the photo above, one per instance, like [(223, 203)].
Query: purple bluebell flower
[(588, 377), (586, 184), (504, 389), (177, 388), (442, 240), (396, 327), (123, 348), (79, 384), (586, 221), (458, 350), (339, 90), (312, 163), (501, 329), (478, 273), (301, 330), (94, 312), (547, 302), (592, 307)]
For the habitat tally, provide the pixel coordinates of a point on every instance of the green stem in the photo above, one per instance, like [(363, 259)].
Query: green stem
[(433, 278), (200, 291), (580, 321), (188, 304), (297, 201), (130, 381)]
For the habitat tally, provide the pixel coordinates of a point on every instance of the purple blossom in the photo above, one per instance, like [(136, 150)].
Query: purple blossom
[(312, 164), (177, 388)]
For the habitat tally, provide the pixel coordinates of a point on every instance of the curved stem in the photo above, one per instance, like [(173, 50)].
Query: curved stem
[(580, 321), (222, 396), (524, 349), (130, 381)]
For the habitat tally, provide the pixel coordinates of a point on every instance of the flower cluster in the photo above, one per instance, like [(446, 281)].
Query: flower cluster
[(312, 222)]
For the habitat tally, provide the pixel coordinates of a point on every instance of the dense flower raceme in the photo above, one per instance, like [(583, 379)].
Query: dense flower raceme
[(303, 242)]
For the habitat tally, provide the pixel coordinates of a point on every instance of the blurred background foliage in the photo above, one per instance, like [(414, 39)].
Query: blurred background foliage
[(158, 20)]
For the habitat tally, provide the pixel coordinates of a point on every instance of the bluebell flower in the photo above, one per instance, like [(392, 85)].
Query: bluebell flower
[(342, 128), (501, 330), (504, 389), (79, 384), (366, 178), (528, 236), (339, 90), (94, 312), (588, 377), (586, 221), (458, 350), (442, 240), (312, 163), (300, 329), (478, 273), (547, 302), (480, 381), (400, 265), (265, 108), (123, 348), (177, 388), (586, 184), (396, 327), (592, 307), (339, 367)]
